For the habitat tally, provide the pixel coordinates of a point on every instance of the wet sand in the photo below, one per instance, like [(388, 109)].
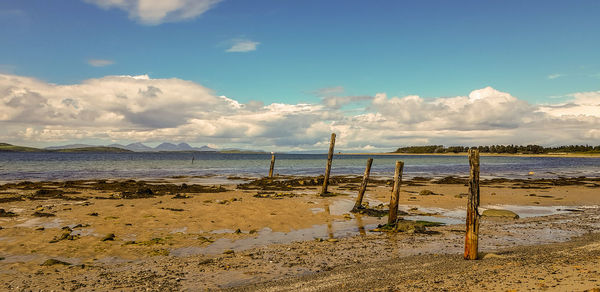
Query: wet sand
[(170, 236)]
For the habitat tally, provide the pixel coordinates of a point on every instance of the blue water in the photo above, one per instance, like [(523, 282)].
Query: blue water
[(67, 166)]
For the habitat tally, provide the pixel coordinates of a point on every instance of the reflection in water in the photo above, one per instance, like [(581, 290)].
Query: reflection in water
[(360, 224), (329, 225)]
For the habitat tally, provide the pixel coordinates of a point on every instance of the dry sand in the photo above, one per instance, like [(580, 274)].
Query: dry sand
[(192, 237)]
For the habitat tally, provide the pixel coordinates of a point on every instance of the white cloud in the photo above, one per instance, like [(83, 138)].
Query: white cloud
[(100, 62), (140, 108), (554, 76), (582, 105), (154, 12), (242, 46)]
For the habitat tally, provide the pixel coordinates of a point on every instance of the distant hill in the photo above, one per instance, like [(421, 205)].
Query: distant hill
[(172, 147), (5, 147), (70, 146), (138, 147), (115, 148), (94, 149)]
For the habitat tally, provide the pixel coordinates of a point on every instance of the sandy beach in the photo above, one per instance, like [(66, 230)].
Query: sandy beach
[(171, 234)]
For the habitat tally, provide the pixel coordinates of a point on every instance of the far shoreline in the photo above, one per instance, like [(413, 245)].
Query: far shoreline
[(562, 155)]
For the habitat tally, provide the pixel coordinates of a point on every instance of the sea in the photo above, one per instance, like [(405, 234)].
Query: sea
[(45, 166)]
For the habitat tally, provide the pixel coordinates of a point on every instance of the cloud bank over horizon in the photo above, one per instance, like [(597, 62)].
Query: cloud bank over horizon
[(139, 108)]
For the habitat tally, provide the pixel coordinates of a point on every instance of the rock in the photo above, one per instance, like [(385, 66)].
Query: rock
[(427, 193), (52, 262), (493, 256), (66, 235), (110, 236), (500, 213), (409, 227), (333, 240), (42, 214), (229, 251), (4, 213)]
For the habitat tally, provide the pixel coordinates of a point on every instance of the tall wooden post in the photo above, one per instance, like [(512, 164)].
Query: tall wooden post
[(395, 193), (328, 168), (363, 186), (272, 165), (472, 235)]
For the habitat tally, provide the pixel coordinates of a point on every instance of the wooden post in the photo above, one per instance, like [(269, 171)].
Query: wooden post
[(328, 168), (472, 235), (272, 165), (363, 186), (395, 193)]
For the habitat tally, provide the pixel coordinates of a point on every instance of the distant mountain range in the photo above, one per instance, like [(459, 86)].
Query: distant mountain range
[(139, 147), (118, 148)]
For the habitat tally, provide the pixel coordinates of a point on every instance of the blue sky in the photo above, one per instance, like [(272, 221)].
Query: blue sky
[(434, 62), (429, 48)]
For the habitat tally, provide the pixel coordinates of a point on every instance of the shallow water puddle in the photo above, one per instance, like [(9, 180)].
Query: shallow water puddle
[(266, 236), (358, 225), (532, 211), (458, 216), (41, 222), (179, 230)]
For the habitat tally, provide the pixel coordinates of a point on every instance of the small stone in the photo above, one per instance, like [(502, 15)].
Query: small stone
[(110, 236), (426, 193), (52, 262), (493, 256), (500, 213)]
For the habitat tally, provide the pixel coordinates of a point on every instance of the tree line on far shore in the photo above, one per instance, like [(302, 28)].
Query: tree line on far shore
[(510, 149)]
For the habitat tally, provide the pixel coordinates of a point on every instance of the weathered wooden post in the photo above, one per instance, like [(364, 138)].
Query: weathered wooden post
[(363, 186), (328, 168), (472, 235), (395, 193), (272, 165)]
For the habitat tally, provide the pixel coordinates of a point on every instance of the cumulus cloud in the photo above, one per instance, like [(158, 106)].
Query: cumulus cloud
[(582, 105), (242, 46), (140, 108), (100, 62), (154, 12), (554, 76)]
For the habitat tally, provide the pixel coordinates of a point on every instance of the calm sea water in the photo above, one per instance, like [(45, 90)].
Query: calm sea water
[(68, 166)]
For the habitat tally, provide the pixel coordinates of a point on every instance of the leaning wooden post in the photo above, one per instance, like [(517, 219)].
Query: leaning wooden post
[(328, 168), (272, 165), (395, 193), (363, 186), (472, 235)]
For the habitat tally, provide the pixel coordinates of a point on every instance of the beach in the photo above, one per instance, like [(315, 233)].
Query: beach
[(260, 234)]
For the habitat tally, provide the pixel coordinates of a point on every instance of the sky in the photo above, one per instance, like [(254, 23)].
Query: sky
[(281, 75)]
